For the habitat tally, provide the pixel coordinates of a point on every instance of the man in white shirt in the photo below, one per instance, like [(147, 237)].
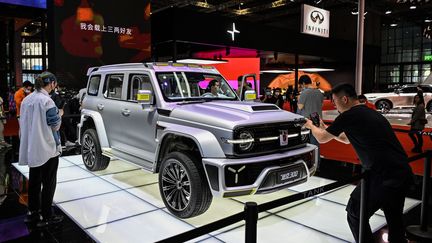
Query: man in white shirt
[(40, 149)]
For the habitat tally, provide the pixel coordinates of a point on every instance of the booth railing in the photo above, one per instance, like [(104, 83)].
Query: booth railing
[(251, 209)]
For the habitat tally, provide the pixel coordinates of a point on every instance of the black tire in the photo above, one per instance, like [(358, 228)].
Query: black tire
[(383, 105), (178, 177), (91, 151)]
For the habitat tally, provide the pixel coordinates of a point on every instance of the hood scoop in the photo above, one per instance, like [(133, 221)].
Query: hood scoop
[(265, 108)]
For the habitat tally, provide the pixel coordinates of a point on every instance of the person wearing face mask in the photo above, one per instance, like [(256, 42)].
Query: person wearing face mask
[(21, 94), (268, 96), (278, 98), (40, 149)]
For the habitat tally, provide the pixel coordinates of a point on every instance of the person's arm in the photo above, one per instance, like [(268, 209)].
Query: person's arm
[(321, 134), (53, 117), (301, 102)]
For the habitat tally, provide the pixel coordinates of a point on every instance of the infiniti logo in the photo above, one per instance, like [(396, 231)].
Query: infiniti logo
[(317, 16)]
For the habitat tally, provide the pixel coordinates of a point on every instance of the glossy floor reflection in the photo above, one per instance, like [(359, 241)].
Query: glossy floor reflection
[(122, 204)]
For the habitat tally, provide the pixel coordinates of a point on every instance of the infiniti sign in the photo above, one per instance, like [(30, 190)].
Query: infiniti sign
[(315, 21), (317, 16)]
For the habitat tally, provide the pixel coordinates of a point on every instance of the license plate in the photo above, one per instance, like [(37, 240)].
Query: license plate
[(288, 175), (283, 137)]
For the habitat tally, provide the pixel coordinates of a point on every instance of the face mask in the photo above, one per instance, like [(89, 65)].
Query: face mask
[(268, 93), (277, 93), (26, 91)]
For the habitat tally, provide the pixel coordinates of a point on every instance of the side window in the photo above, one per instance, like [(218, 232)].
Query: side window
[(113, 86), (426, 89), (409, 90), (138, 82), (93, 86)]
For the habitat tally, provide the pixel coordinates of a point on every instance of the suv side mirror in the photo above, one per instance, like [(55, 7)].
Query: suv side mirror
[(145, 97), (250, 95)]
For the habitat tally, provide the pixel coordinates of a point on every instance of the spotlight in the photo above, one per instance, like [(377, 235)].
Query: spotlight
[(428, 20), (388, 12), (413, 7), (393, 24)]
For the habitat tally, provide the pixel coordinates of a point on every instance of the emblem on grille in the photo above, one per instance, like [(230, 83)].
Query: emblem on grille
[(283, 137)]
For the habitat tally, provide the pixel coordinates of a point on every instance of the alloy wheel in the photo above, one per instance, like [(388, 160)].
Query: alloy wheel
[(88, 150), (176, 185)]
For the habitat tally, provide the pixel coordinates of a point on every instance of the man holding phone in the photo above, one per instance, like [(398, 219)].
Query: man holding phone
[(310, 104), (380, 153)]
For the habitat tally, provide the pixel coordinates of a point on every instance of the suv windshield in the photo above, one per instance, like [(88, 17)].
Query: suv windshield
[(180, 86)]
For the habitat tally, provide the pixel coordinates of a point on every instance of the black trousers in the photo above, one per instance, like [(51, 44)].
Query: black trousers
[(42, 185), (390, 200), (418, 143)]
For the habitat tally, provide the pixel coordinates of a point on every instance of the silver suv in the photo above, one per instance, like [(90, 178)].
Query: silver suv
[(186, 123)]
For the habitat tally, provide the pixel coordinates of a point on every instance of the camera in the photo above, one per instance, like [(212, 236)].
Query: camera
[(315, 118)]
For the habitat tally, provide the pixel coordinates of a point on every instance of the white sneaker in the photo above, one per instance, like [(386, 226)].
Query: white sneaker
[(69, 144)]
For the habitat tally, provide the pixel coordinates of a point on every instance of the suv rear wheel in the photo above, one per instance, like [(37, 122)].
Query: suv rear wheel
[(183, 187), (92, 152)]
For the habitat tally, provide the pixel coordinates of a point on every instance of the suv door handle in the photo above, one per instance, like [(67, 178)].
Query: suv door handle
[(100, 107), (125, 112)]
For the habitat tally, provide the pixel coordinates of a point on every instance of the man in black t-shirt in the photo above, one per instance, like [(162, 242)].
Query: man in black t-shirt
[(380, 153)]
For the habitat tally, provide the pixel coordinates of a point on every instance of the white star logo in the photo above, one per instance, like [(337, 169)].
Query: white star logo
[(233, 31)]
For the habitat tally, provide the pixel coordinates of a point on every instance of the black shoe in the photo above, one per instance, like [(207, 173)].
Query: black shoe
[(32, 217), (54, 219), (417, 150)]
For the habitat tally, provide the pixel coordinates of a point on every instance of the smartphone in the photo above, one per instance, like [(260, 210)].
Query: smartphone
[(315, 118)]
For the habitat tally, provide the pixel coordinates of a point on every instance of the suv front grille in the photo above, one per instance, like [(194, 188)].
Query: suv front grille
[(247, 174), (268, 131)]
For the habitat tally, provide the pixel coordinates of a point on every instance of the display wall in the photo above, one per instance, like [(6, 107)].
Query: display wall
[(98, 32), (28, 3)]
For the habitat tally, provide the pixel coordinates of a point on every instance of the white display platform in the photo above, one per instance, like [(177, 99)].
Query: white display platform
[(122, 204)]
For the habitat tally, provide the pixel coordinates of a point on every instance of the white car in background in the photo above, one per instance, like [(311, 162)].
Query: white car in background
[(401, 98)]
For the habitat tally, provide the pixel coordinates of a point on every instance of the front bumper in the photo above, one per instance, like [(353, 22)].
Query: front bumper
[(224, 174)]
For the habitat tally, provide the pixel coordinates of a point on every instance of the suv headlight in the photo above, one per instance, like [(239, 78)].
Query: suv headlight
[(305, 135), (244, 141), (248, 139)]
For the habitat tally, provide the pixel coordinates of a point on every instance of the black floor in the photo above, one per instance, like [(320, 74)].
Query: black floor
[(13, 208)]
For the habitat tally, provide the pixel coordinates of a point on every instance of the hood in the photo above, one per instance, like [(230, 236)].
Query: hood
[(229, 114)]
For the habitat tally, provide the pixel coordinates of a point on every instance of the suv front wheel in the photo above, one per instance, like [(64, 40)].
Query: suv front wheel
[(183, 186), (91, 151)]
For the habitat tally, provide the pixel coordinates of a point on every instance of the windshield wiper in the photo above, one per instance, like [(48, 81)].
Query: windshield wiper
[(187, 102)]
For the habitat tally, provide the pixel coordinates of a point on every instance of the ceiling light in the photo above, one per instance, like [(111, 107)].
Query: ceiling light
[(428, 20), (413, 7), (276, 71), (393, 24), (388, 12), (316, 69), (201, 61)]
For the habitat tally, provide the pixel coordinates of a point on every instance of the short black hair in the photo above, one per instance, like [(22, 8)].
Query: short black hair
[(27, 84), (305, 79), (362, 96), (212, 83), (346, 90)]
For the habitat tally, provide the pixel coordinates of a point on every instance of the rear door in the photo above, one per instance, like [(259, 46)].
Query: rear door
[(139, 124), (110, 107)]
